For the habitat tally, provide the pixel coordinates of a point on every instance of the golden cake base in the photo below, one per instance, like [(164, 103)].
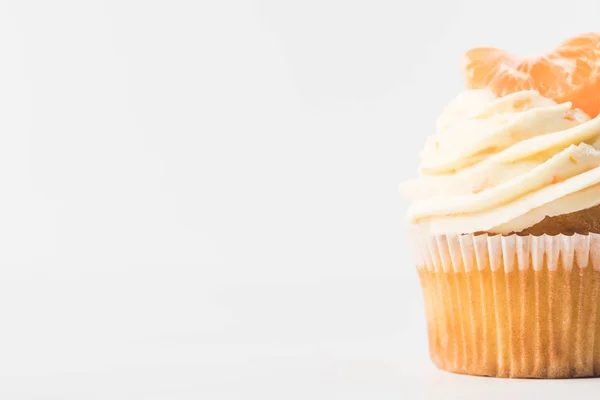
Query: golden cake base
[(519, 324)]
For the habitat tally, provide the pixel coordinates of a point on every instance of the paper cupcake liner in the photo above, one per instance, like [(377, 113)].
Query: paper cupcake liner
[(512, 306)]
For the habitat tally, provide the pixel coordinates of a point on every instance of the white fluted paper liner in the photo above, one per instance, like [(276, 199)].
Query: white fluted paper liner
[(512, 306), (467, 252)]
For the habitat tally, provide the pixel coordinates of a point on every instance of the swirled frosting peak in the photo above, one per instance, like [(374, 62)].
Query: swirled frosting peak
[(502, 164)]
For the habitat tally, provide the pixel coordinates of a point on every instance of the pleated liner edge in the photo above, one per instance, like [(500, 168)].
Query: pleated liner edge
[(512, 306)]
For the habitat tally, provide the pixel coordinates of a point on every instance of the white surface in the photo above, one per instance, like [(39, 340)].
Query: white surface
[(199, 197)]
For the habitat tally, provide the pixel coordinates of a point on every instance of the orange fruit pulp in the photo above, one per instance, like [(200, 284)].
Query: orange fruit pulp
[(571, 72)]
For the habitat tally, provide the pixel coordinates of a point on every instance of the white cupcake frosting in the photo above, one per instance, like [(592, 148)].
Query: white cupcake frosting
[(502, 164)]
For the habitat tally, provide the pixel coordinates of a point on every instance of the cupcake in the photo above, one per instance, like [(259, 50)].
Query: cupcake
[(505, 226)]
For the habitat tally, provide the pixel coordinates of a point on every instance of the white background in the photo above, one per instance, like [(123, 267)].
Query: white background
[(199, 198)]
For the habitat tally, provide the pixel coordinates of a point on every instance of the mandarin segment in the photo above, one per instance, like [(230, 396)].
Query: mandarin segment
[(571, 72)]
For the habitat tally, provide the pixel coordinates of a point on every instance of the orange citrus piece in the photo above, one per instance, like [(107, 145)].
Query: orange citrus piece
[(571, 72)]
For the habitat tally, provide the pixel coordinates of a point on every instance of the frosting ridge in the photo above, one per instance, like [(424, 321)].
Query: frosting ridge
[(502, 164)]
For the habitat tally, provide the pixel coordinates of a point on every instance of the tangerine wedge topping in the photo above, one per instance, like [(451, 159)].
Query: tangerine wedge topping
[(571, 72)]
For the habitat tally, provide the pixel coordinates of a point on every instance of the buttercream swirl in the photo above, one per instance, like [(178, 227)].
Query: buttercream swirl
[(502, 164)]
